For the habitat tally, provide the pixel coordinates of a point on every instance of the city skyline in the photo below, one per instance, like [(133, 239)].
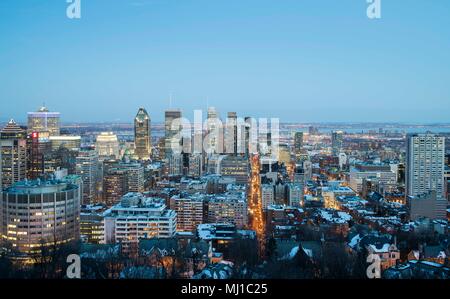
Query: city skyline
[(23, 119), (255, 58), (228, 147)]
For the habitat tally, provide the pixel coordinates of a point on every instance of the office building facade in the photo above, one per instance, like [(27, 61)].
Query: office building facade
[(13, 154), (45, 122)]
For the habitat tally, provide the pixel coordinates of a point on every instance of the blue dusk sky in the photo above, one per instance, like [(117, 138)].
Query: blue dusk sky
[(299, 60)]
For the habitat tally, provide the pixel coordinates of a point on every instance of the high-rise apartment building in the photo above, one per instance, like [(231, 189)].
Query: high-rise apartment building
[(135, 176), (115, 185), (142, 135), (228, 208), (425, 176), (425, 164), (190, 212), (121, 178)]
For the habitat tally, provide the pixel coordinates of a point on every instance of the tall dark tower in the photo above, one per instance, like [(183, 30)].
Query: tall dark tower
[(142, 135), (231, 145)]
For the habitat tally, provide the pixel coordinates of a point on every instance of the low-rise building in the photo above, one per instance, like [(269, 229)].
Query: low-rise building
[(92, 225), (137, 217)]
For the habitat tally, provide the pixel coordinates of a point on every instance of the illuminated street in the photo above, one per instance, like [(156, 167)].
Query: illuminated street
[(255, 203)]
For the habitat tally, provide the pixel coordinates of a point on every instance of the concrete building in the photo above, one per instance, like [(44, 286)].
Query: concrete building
[(427, 205), (386, 178), (228, 208), (234, 167), (190, 212), (40, 213), (425, 164)]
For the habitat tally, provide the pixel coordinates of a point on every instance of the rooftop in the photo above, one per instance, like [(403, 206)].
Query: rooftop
[(40, 186)]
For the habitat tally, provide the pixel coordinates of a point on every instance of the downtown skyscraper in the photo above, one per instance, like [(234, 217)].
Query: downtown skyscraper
[(45, 122), (215, 132), (170, 130), (298, 144), (142, 135), (231, 133), (13, 154), (87, 169)]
